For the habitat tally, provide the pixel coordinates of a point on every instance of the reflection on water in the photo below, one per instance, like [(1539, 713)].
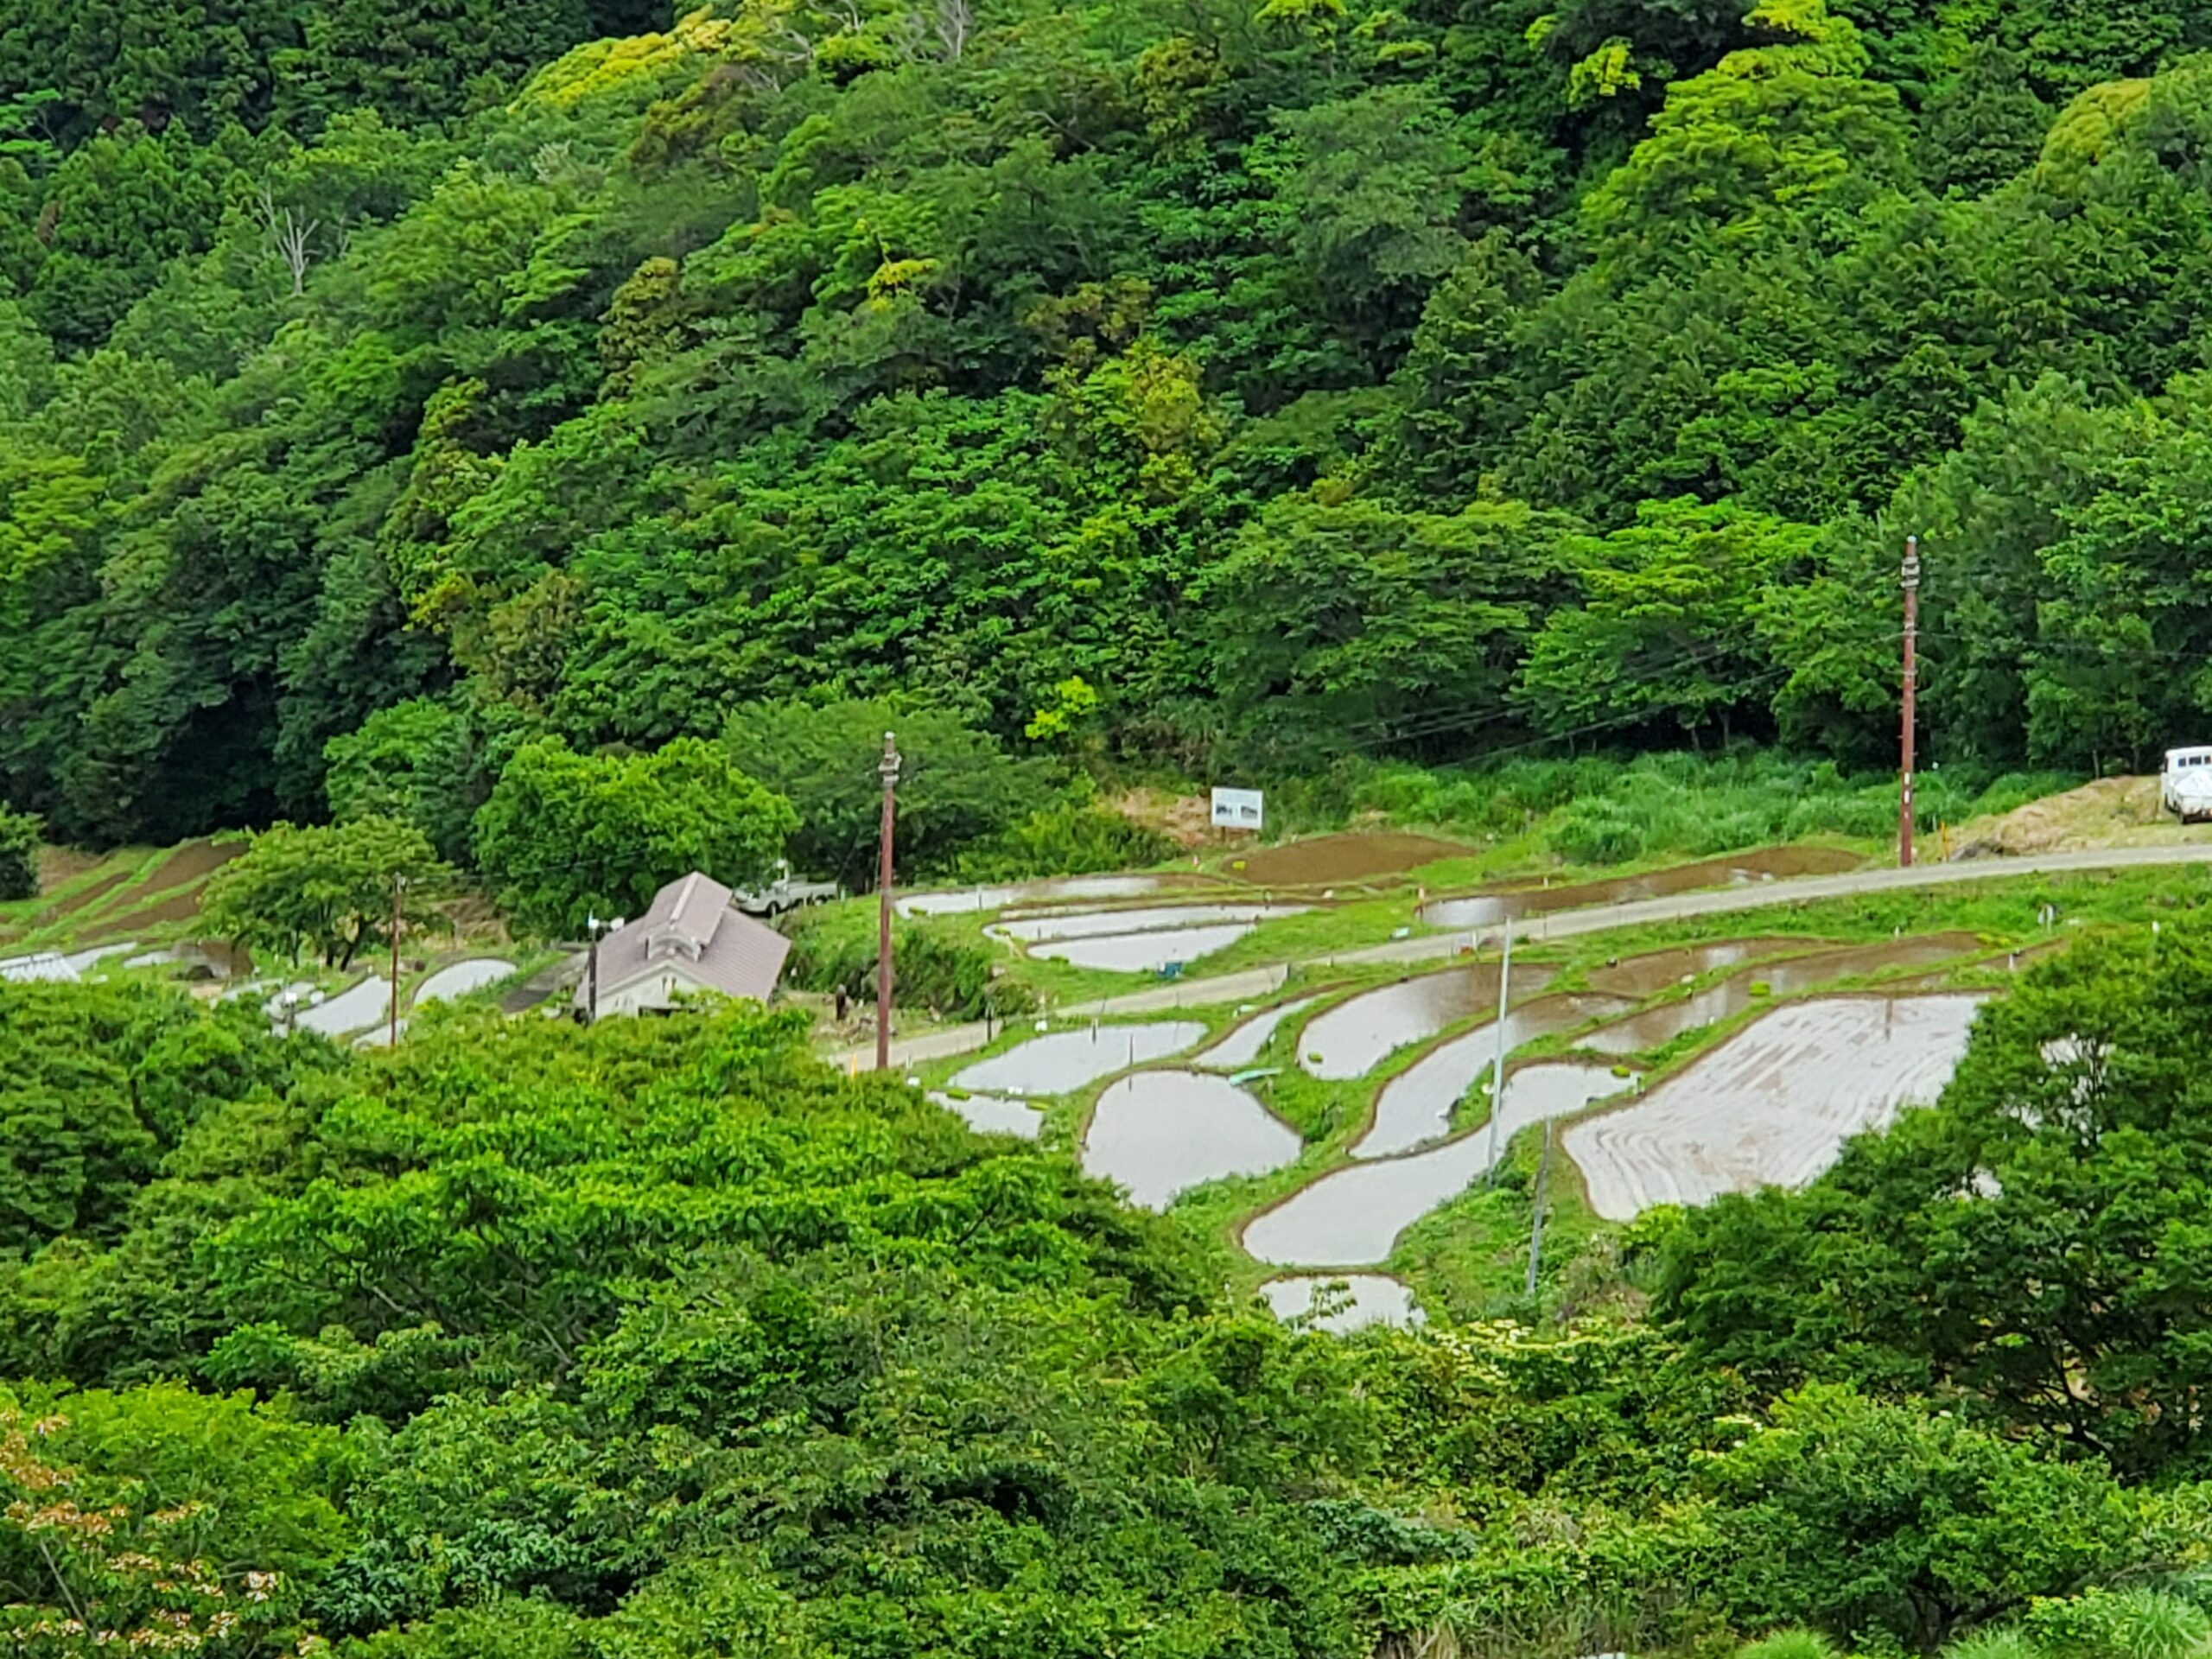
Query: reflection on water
[(1415, 1106), (1242, 1045), (1067, 1060), (1355, 1300), (1653, 1026), (1089, 923), (1488, 909), (1352, 1216), (991, 1115), (1144, 953), (1162, 1133), (962, 901), (461, 978), (1647, 975), (1351, 1038)]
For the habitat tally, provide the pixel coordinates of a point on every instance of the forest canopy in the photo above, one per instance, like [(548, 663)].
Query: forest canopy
[(385, 390)]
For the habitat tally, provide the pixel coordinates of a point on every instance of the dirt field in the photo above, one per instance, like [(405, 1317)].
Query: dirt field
[(1773, 1105), (2111, 812), (1324, 859)]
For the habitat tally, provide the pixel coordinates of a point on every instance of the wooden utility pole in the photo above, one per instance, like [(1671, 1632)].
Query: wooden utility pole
[(883, 977), (1911, 576), (398, 886)]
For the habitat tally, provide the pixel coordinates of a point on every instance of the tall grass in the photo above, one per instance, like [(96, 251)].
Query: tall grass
[(1593, 811)]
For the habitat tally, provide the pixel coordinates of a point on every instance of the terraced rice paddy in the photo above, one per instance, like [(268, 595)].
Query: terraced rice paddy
[(1161, 1132), (994, 1115), (1663, 1023), (1488, 909), (1352, 1218), (1068, 1060), (461, 978), (1774, 1104), (1136, 941), (1243, 1045), (1415, 1107), (1353, 1038), (1356, 1301)]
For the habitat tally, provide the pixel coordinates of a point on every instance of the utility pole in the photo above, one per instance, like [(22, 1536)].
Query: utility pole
[(398, 886), (1497, 1067), (1911, 577), (591, 972), (890, 772)]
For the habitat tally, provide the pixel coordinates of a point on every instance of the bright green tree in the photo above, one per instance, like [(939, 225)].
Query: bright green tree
[(324, 889), (566, 835)]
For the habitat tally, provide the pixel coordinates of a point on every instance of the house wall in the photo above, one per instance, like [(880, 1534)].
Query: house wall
[(650, 992)]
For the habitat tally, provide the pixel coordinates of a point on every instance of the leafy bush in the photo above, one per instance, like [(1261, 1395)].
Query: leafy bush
[(938, 965), (20, 835)]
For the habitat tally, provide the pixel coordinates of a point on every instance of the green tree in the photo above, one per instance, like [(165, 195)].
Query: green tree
[(1668, 629), (326, 888), (566, 835), (1857, 1516), (957, 785), (2053, 1192)]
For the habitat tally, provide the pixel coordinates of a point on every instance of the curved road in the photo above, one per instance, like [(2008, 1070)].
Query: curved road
[(1254, 983)]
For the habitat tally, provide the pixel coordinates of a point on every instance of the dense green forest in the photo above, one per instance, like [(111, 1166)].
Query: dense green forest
[(663, 1340), (385, 388)]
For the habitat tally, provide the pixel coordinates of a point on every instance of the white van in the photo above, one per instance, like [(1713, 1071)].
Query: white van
[(2185, 784)]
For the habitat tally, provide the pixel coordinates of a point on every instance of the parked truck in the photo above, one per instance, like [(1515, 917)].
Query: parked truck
[(786, 891), (2185, 784)]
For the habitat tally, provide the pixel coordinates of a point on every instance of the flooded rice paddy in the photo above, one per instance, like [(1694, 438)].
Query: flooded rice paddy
[(1647, 976), (1091, 923), (1068, 1060), (1508, 905), (1243, 1046), (1352, 1218), (959, 901), (1137, 941), (1773, 1104), (994, 1114), (350, 1010), (1144, 953), (1663, 1024), (1415, 1106), (1355, 1300), (1352, 1038), (463, 977), (1327, 859), (1161, 1132)]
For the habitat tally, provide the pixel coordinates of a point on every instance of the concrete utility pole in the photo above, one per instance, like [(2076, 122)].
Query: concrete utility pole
[(1497, 1067), (883, 977), (1911, 576), (591, 972), (398, 886)]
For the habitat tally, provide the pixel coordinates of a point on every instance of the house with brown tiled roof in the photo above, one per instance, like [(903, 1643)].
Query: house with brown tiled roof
[(692, 941)]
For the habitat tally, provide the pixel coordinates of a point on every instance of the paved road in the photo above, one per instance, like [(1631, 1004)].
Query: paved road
[(1724, 901), (1567, 924)]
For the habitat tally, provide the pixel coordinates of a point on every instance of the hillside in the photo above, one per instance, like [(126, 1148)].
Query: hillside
[(1224, 389)]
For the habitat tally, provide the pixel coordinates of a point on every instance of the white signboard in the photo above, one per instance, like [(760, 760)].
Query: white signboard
[(1236, 809)]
